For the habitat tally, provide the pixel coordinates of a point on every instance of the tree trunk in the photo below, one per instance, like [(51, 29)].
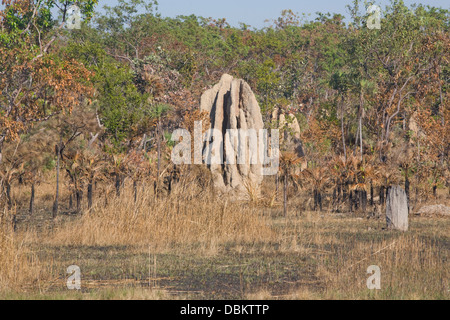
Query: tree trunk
[(344, 192), (89, 194), (361, 106), (106, 199), (118, 184), (350, 201), (371, 195), (8, 195), (79, 194), (363, 200), (343, 133), (382, 195), (315, 199), (32, 199), (14, 222), (285, 193), (158, 139), (356, 141), (319, 200), (135, 190), (158, 145), (416, 200), (339, 190), (334, 197), (169, 186), (58, 155), (2, 138), (70, 202), (407, 184)]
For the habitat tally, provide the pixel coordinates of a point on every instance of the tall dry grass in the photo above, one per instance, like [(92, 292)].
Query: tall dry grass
[(330, 252), (414, 265), (411, 268), (179, 220), (20, 267)]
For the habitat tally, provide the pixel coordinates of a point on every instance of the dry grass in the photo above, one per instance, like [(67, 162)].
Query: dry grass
[(193, 243), (411, 268), (21, 268), (165, 223)]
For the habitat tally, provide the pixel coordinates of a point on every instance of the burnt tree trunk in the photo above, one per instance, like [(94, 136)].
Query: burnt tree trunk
[(79, 194), (416, 200), (350, 201), (339, 193), (169, 186), (319, 199), (344, 192), (335, 196), (32, 199), (372, 203), (118, 184), (315, 199), (14, 222), (362, 200), (407, 184), (158, 146), (277, 182), (2, 138), (135, 190), (106, 199), (90, 194), (356, 199), (382, 192), (70, 202), (8, 195), (285, 198), (58, 159)]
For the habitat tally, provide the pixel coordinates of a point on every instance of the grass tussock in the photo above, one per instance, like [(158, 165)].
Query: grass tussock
[(21, 268), (165, 223)]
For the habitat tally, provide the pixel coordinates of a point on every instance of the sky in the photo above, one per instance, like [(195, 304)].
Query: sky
[(255, 12)]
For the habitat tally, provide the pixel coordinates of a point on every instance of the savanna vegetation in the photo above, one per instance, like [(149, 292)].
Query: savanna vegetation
[(86, 117)]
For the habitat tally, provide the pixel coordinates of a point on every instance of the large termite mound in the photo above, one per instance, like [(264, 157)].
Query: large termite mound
[(232, 105)]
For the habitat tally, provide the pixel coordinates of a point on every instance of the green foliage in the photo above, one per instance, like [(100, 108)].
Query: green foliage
[(149, 69), (120, 104)]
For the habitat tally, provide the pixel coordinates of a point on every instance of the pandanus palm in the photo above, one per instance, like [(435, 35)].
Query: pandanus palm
[(388, 176), (338, 170), (288, 160), (7, 176), (138, 166), (83, 168), (319, 178), (93, 166)]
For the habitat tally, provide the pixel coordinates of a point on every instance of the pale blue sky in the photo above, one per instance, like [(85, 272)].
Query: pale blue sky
[(255, 12)]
